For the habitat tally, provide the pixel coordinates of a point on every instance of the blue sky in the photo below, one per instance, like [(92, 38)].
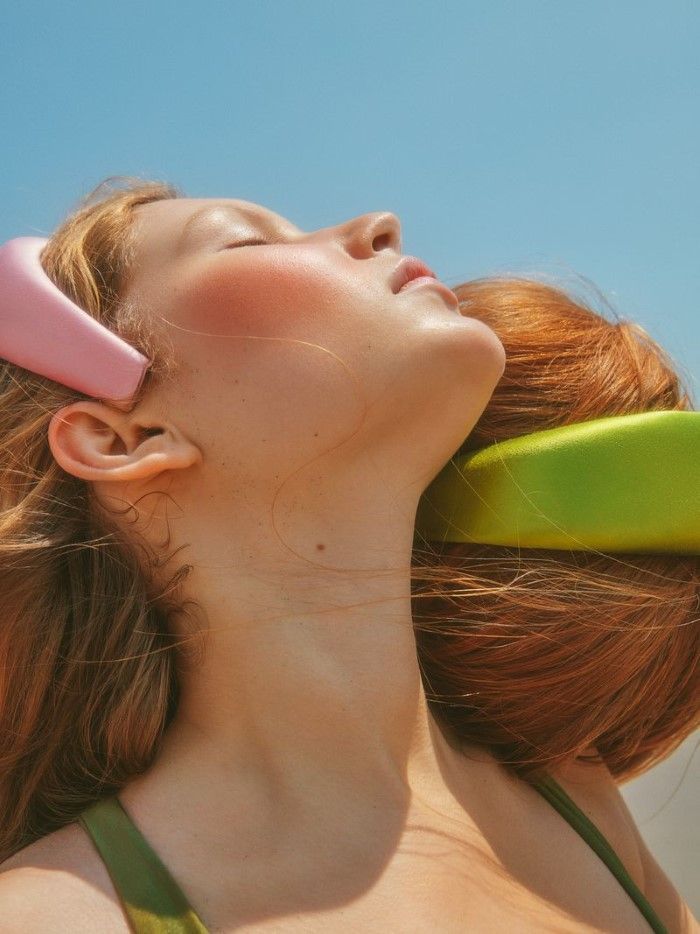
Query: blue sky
[(554, 137)]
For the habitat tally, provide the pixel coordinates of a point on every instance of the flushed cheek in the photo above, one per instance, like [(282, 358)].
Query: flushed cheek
[(264, 300), (285, 397), (269, 329)]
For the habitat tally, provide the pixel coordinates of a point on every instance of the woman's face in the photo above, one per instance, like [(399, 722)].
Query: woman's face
[(338, 357)]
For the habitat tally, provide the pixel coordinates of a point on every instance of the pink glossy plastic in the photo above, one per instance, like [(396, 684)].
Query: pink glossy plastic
[(42, 330)]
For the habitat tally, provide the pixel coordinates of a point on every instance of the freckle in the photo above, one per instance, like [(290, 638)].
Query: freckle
[(320, 547), (315, 434)]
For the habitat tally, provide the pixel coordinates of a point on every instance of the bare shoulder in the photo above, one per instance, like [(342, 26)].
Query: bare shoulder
[(57, 885), (595, 788), (661, 893), (658, 888)]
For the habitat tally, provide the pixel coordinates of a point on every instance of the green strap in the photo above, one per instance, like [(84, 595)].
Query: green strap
[(559, 799), (152, 900), (154, 903)]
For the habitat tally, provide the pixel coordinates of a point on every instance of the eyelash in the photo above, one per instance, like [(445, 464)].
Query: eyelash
[(230, 246), (252, 242)]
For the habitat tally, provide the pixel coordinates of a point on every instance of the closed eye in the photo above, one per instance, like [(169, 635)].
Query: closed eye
[(252, 242)]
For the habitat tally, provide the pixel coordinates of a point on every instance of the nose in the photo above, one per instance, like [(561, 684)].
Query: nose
[(369, 233)]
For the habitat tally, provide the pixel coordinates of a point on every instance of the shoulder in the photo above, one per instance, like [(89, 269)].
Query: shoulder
[(595, 790), (59, 884), (658, 888)]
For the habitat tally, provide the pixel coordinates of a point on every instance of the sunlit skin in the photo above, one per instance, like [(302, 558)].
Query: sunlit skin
[(303, 739)]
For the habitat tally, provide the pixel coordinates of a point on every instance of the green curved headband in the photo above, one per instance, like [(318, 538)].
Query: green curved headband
[(621, 483)]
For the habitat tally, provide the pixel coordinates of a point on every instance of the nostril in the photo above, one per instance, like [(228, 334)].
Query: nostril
[(381, 242)]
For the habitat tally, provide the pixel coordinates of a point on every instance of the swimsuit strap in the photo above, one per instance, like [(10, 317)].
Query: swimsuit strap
[(152, 900), (560, 800), (155, 904)]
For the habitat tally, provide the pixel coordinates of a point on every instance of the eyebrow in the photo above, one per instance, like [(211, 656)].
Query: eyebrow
[(201, 215)]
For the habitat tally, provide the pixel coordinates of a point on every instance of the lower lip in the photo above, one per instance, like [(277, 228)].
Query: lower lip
[(428, 280)]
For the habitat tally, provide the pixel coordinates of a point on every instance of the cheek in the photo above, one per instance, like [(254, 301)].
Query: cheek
[(283, 398), (290, 311), (268, 300)]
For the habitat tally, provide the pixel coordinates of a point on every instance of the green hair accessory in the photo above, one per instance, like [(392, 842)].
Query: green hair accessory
[(621, 483)]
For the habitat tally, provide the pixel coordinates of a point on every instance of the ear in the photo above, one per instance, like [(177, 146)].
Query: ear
[(96, 442)]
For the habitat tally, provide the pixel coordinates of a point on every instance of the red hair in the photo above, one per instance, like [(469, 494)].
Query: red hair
[(539, 654)]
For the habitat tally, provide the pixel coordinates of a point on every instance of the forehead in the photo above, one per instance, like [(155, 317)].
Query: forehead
[(171, 214), (173, 210)]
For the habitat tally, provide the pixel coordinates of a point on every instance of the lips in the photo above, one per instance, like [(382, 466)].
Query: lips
[(408, 269)]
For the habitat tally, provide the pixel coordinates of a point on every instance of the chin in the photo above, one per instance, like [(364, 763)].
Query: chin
[(492, 350)]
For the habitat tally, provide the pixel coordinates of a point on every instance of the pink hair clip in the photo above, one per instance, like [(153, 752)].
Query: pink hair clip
[(42, 330)]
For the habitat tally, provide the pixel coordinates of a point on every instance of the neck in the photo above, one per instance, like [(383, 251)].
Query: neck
[(309, 693)]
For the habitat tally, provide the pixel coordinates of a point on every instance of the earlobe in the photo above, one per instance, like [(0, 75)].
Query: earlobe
[(95, 442)]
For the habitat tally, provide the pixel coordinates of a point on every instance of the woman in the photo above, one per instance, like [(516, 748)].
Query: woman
[(228, 640)]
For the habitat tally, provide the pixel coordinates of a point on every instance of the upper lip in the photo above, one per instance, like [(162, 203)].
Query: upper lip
[(410, 267)]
